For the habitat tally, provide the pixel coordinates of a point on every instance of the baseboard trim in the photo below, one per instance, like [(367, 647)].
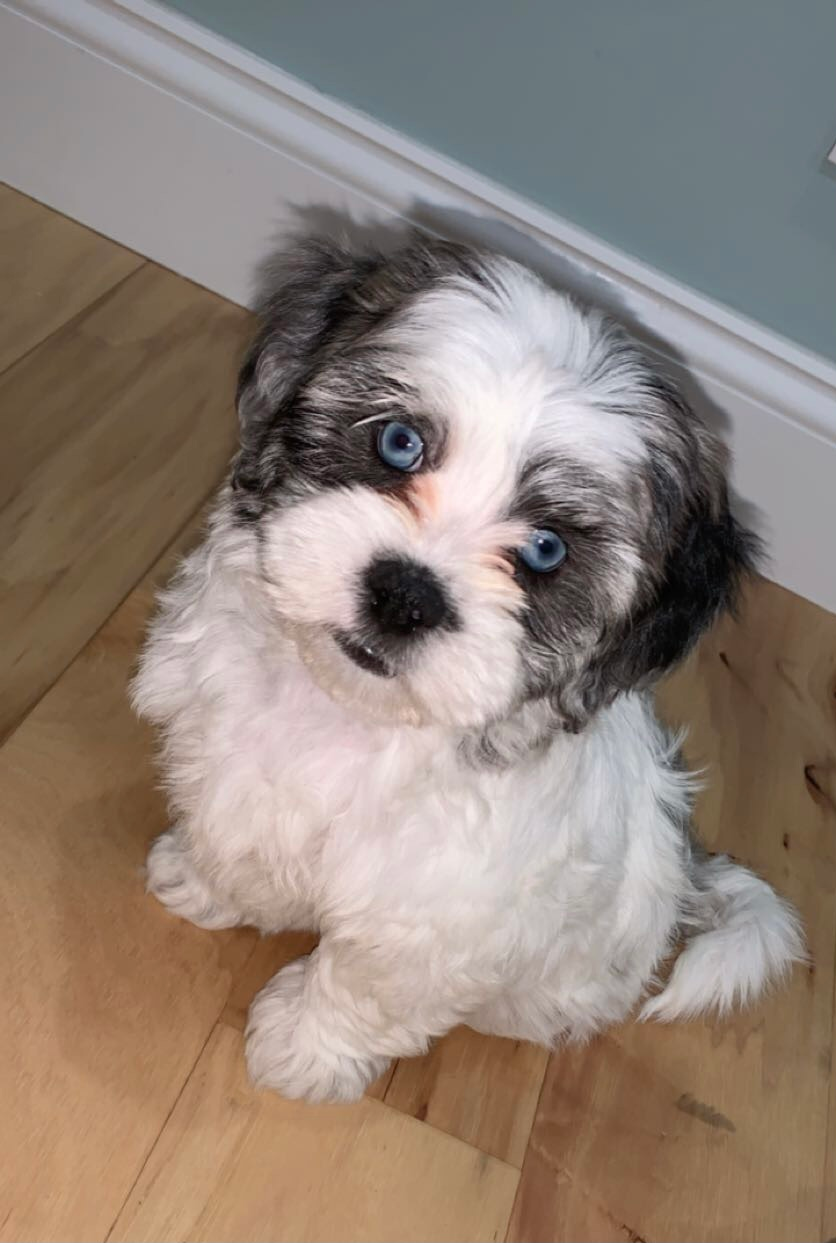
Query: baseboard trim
[(181, 145)]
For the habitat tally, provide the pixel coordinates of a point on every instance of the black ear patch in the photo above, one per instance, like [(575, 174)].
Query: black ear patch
[(695, 555), (305, 294), (702, 572), (701, 578), (321, 300)]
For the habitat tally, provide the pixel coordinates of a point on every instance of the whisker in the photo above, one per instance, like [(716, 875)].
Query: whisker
[(372, 418)]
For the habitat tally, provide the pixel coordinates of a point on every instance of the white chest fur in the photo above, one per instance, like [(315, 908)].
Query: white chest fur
[(301, 811)]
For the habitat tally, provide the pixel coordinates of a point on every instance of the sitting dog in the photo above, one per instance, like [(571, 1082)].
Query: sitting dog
[(403, 685)]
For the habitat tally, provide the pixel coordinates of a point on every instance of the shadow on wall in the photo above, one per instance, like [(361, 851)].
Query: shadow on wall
[(558, 270)]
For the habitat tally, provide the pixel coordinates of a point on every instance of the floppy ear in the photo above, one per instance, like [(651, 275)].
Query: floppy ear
[(701, 578), (304, 295), (699, 557)]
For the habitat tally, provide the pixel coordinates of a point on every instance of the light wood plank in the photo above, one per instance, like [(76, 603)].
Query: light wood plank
[(50, 269), (704, 1131), (480, 1089), (113, 432), (718, 1130), (107, 1000), (233, 1164), (820, 779)]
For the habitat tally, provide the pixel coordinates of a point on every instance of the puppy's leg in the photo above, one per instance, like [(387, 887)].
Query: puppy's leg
[(172, 879), (328, 1025)]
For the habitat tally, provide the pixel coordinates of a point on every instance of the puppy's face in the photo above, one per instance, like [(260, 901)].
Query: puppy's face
[(468, 494)]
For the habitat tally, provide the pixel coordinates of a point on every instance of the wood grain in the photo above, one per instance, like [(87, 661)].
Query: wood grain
[(50, 269), (233, 1164), (121, 1068), (719, 1130), (480, 1089), (107, 999), (128, 424)]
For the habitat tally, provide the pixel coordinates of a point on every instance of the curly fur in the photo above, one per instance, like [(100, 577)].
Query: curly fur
[(484, 822)]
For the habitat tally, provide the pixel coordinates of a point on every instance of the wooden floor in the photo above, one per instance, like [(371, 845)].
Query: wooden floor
[(124, 1109)]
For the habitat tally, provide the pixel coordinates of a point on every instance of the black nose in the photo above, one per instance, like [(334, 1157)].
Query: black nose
[(404, 597)]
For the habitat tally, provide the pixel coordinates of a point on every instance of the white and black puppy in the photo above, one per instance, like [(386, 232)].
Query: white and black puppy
[(402, 685)]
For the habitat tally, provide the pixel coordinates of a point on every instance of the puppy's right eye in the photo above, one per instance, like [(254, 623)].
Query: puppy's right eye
[(543, 551), (400, 446)]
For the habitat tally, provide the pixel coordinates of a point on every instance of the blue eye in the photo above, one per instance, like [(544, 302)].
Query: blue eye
[(400, 446), (543, 551)]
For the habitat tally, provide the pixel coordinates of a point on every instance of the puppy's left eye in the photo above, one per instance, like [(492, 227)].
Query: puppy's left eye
[(400, 446), (543, 551)]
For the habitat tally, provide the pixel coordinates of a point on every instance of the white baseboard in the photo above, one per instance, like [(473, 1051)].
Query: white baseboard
[(148, 128)]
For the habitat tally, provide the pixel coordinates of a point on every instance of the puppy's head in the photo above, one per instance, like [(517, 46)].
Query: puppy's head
[(470, 494)]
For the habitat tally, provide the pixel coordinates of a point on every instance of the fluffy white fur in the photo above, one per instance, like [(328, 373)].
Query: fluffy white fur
[(535, 898)]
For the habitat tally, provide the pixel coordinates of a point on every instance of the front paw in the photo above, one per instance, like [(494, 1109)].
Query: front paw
[(294, 1047), (172, 879)]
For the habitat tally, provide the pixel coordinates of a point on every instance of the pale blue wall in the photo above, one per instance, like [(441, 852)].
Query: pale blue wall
[(691, 133)]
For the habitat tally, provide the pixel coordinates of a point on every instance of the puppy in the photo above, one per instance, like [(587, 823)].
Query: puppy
[(403, 686)]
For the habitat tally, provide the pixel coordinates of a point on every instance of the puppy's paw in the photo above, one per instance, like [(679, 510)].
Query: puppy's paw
[(295, 1051), (171, 878)]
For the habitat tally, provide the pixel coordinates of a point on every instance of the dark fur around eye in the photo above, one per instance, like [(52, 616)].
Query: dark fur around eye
[(337, 449), (321, 309), (690, 552)]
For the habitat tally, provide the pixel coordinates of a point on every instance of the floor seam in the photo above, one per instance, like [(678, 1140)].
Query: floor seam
[(143, 573), (152, 1146), (528, 1142), (73, 319)]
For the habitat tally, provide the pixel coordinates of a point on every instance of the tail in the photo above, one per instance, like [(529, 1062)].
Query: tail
[(741, 938)]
